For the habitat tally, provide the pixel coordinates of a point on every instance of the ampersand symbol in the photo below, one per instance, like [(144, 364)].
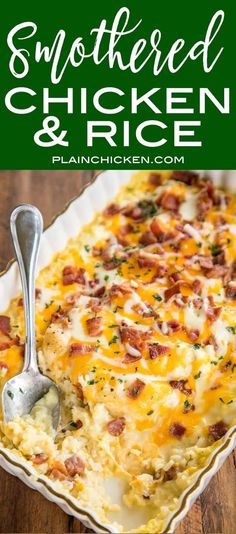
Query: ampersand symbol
[(47, 129)]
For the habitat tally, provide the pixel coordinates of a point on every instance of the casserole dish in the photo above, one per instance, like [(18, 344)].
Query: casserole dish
[(55, 238)]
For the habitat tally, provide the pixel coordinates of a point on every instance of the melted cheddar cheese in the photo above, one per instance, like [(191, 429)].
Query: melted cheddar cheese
[(136, 323)]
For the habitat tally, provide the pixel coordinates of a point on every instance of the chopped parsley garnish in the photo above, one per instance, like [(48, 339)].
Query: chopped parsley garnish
[(231, 329), (222, 400), (148, 207), (106, 277), (113, 340), (215, 250), (87, 248), (48, 304), (197, 375), (196, 346), (21, 390), (213, 363), (157, 297), (150, 412), (118, 308), (187, 404), (10, 394), (113, 325)]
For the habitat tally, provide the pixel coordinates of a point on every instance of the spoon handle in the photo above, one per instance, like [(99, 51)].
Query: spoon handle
[(26, 229)]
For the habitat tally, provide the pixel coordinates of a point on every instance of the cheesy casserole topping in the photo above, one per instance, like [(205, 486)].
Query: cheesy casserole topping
[(136, 323)]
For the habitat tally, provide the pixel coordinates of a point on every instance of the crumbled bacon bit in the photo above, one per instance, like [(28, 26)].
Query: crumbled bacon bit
[(206, 262), (211, 340), (56, 474), (126, 229), (5, 325), (230, 292), (189, 408), (94, 326), (168, 201), (174, 277), (128, 358), (148, 238), (156, 350), (99, 292), (174, 326), (217, 271), (60, 315), (38, 459), (180, 385), (116, 426), (155, 179), (219, 259), (3, 365), (135, 389), (179, 302), (38, 293), (177, 430), (79, 424), (144, 261), (97, 251), (79, 391), (81, 348), (134, 212), (111, 264), (74, 465), (72, 275), (118, 290), (187, 177), (218, 430), (161, 271), (144, 312), (93, 282), (227, 366), (122, 241), (198, 303), (160, 234), (136, 338), (94, 305), (4, 345), (213, 313), (193, 334), (112, 209), (206, 199), (172, 290), (170, 474), (204, 204), (197, 286), (7, 342)]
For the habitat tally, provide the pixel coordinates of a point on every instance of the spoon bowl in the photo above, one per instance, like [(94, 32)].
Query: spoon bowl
[(21, 392)]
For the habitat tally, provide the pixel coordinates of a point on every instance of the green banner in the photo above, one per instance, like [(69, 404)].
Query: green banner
[(118, 85)]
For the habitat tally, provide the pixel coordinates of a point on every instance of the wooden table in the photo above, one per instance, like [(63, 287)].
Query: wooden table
[(23, 510)]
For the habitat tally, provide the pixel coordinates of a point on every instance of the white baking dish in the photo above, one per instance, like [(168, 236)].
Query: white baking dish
[(66, 225)]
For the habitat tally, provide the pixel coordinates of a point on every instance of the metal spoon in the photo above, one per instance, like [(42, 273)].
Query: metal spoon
[(21, 392)]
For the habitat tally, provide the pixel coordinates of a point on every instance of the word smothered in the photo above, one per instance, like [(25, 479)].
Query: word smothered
[(106, 45)]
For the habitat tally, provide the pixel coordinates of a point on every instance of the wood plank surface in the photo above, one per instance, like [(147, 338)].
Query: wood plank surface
[(23, 510)]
